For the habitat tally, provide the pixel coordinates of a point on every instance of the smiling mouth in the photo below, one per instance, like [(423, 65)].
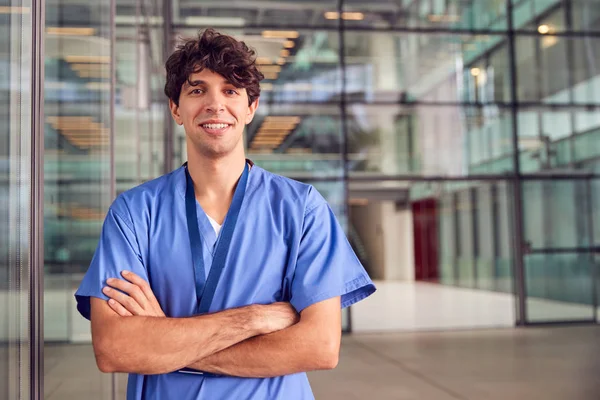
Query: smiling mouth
[(215, 126)]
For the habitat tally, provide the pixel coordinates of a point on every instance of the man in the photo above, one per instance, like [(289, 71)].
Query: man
[(219, 280)]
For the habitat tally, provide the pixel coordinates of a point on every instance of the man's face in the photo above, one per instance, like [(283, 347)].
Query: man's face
[(213, 112)]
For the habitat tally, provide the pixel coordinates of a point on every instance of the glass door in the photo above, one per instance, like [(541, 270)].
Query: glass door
[(559, 256)]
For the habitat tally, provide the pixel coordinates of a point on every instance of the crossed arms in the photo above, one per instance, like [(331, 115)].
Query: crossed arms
[(130, 333)]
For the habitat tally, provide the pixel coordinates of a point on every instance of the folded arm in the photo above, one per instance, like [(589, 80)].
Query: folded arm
[(144, 341), (311, 344), (150, 345), (284, 345)]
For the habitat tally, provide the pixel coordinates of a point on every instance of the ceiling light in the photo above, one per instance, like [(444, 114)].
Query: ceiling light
[(475, 71), (280, 34), (263, 61), (353, 16), (443, 18), (543, 29), (88, 59), (270, 75), (270, 68), (14, 10), (282, 118), (347, 15), (268, 140), (70, 31)]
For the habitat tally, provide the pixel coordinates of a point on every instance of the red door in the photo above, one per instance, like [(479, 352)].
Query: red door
[(425, 230)]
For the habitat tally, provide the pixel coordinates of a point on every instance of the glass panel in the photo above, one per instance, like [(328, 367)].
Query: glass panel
[(428, 140), (555, 214), (473, 236), (586, 15), (585, 53), (485, 234), (140, 107), (309, 146), (447, 238), (559, 287), (466, 250), (425, 242), (558, 70), (77, 185), (437, 14), (530, 14), (409, 67), (15, 214)]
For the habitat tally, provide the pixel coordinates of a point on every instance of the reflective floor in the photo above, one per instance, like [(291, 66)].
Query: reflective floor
[(549, 363)]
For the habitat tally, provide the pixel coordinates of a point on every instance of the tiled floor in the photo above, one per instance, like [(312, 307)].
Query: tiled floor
[(533, 363)]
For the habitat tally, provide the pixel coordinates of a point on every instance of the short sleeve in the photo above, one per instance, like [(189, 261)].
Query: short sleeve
[(327, 266), (117, 251)]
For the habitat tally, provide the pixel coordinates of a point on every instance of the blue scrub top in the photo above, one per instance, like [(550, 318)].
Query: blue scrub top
[(287, 246)]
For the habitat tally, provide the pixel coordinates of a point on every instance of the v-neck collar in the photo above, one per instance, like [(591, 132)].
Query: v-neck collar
[(208, 235)]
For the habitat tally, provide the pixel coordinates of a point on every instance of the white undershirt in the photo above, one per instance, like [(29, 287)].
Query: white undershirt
[(214, 224)]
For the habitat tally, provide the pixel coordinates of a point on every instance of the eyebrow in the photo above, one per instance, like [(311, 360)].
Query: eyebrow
[(199, 82)]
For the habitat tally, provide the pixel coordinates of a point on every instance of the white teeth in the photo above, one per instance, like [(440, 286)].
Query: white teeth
[(215, 126)]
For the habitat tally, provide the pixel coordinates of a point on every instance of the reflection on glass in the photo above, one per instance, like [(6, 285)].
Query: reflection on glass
[(428, 140), (232, 13), (453, 14), (15, 213), (76, 181), (556, 213), (559, 287), (461, 234), (410, 67), (586, 15)]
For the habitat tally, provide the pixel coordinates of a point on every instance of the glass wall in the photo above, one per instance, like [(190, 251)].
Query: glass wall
[(19, 80), (104, 133)]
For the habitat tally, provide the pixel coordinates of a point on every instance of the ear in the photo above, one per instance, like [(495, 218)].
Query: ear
[(252, 110), (175, 112)]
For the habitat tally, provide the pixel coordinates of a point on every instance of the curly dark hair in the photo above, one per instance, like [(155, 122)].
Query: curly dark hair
[(219, 53)]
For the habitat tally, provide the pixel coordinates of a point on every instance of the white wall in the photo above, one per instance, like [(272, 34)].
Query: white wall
[(387, 236)]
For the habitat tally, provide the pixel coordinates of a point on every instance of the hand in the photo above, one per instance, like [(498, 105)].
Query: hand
[(134, 296), (276, 316)]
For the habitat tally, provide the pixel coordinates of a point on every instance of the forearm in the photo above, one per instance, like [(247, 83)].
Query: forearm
[(149, 345), (295, 349)]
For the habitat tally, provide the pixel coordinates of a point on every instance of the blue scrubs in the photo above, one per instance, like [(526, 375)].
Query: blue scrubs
[(287, 246)]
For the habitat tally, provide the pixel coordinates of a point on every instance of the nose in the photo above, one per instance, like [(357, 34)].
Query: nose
[(214, 103)]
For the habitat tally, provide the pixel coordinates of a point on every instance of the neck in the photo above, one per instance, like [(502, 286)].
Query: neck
[(215, 178)]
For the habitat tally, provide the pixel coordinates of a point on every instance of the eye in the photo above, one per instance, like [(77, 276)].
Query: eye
[(196, 91), (231, 92)]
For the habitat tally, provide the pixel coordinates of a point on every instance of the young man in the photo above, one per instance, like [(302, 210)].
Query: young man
[(219, 280)]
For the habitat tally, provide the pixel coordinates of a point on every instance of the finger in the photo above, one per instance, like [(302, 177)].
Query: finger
[(126, 301), (118, 308), (130, 289), (144, 286)]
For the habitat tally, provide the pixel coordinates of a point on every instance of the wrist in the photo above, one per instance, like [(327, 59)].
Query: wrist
[(257, 321)]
